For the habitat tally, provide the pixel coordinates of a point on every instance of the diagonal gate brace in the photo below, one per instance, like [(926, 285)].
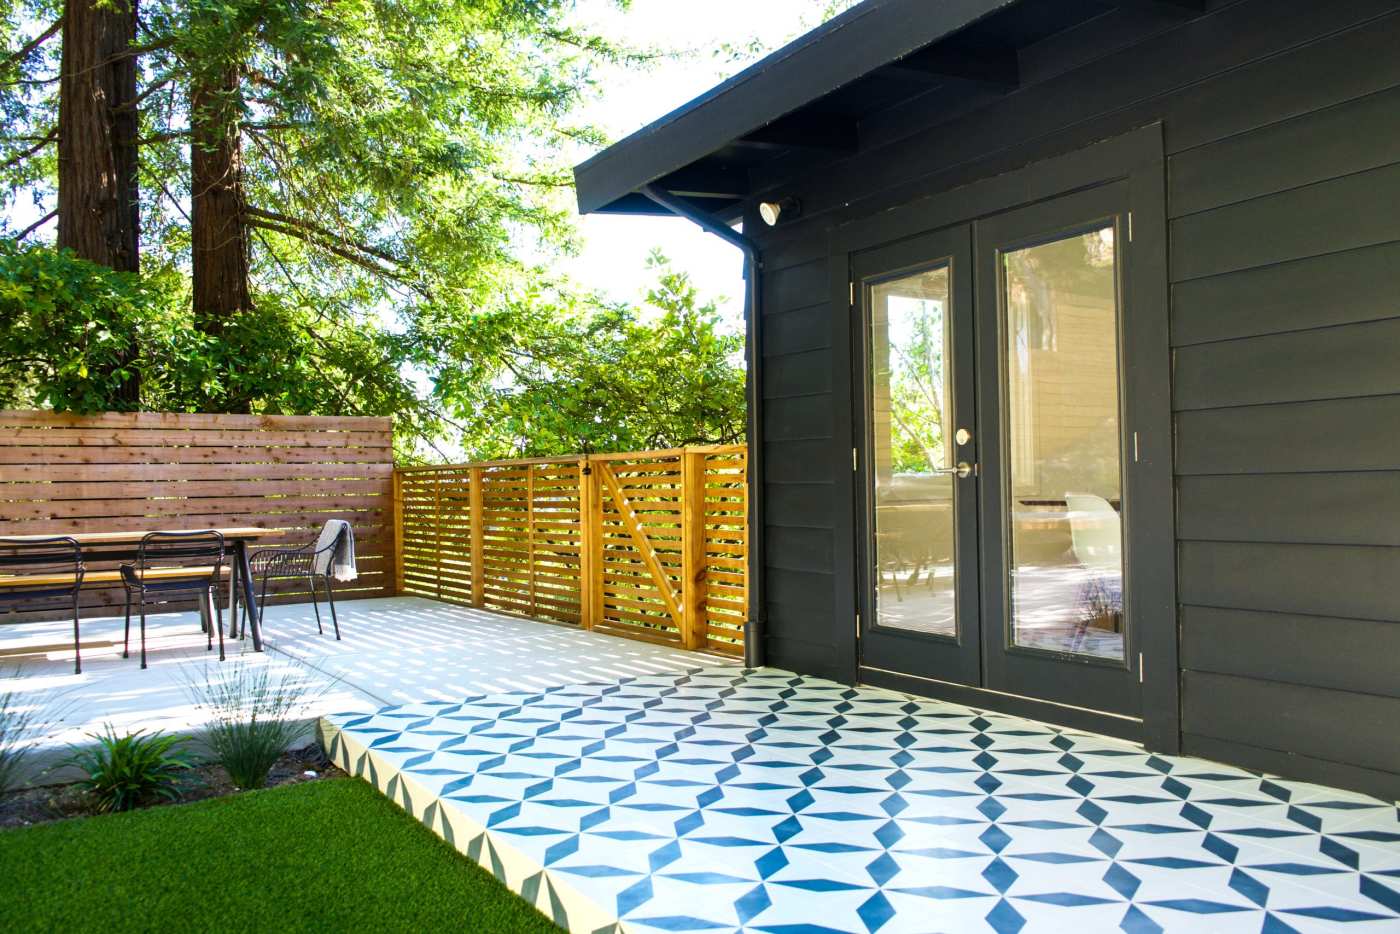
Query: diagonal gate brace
[(644, 546)]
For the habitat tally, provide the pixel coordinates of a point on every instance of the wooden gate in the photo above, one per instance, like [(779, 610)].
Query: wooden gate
[(650, 545)]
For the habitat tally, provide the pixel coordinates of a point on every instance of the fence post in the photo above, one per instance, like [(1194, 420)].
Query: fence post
[(396, 520), (437, 532), (530, 538), (474, 499), (693, 582), (597, 560), (585, 545)]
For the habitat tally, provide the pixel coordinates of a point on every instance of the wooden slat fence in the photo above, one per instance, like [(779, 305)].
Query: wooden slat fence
[(650, 545), (127, 471)]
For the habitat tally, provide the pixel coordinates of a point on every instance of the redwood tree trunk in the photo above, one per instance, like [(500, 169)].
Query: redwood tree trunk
[(99, 211), (219, 235), (218, 229)]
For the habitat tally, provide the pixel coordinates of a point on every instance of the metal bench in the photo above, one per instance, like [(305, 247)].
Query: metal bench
[(43, 569)]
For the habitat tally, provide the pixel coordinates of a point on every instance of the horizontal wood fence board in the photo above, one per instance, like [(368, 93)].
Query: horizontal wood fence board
[(130, 472), (70, 473), (213, 437), (190, 489), (269, 506), (39, 418), (146, 454)]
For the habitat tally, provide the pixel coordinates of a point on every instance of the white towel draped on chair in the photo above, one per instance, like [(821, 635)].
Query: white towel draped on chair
[(339, 564)]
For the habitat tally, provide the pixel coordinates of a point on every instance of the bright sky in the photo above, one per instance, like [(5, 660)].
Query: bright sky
[(615, 250)]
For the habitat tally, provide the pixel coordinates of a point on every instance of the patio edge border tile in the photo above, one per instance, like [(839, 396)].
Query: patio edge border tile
[(557, 899)]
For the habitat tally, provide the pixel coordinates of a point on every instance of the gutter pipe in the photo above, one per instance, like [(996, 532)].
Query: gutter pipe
[(754, 655)]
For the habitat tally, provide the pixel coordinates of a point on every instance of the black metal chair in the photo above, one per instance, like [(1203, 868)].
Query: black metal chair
[(39, 569), (173, 563), (305, 563)]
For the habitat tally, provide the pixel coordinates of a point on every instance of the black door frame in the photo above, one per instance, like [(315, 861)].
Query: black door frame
[(1137, 159)]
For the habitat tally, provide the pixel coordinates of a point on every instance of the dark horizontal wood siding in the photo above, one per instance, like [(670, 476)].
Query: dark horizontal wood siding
[(1281, 122), (1285, 261), (800, 434)]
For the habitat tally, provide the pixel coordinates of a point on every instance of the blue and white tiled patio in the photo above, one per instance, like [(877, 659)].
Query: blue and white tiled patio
[(730, 800)]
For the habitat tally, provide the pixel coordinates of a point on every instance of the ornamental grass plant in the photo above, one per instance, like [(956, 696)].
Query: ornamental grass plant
[(254, 716)]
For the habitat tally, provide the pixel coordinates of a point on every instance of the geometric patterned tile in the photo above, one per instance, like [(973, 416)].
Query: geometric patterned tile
[(733, 800)]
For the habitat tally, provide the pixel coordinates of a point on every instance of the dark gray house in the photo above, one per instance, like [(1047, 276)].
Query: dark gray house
[(1074, 337)]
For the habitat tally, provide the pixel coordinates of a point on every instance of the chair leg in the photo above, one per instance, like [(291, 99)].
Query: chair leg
[(218, 616), (262, 602), (77, 651), (245, 612), (206, 619), (314, 605), (126, 639), (232, 601), (143, 631), (330, 598)]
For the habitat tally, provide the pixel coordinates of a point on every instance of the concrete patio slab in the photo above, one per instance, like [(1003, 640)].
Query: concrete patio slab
[(393, 650), (115, 691), (409, 650)]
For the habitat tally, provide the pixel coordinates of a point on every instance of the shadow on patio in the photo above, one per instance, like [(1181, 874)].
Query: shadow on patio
[(394, 651)]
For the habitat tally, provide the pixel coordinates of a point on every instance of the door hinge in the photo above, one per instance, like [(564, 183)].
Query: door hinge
[(1140, 668), (853, 294), (1130, 226), (857, 625), (855, 460), (1137, 458)]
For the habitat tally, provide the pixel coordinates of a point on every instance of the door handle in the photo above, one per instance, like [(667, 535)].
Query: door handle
[(962, 471)]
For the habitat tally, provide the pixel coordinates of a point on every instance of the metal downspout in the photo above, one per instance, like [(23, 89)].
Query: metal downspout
[(754, 655)]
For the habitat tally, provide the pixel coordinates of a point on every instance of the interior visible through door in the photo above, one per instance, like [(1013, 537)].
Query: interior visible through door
[(1062, 428)]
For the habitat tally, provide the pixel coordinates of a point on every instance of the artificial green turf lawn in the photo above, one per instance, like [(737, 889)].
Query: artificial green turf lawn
[(332, 855)]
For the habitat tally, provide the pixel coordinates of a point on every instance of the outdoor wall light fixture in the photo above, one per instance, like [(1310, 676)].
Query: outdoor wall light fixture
[(773, 211)]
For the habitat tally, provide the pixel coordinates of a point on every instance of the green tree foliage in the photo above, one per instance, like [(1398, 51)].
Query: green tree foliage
[(546, 374), (394, 160), (611, 378), (396, 157), (918, 389), (29, 65), (65, 325)]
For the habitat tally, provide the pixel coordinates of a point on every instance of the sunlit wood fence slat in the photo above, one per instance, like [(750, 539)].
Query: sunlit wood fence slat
[(652, 545)]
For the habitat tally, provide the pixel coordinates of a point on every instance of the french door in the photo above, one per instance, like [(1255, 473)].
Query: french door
[(993, 458)]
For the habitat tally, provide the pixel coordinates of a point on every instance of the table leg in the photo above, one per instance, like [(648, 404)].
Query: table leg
[(250, 602)]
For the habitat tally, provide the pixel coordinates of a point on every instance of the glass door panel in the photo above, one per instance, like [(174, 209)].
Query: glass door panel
[(913, 475), (1062, 428)]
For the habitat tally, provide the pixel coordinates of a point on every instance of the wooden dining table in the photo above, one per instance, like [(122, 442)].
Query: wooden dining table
[(124, 546)]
